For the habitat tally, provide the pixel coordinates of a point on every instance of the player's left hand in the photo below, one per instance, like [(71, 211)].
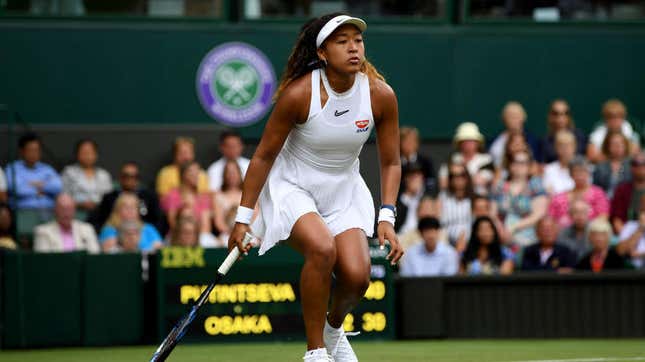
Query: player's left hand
[(385, 231)]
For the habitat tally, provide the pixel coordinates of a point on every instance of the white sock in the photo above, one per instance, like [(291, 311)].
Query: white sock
[(330, 329), (314, 352)]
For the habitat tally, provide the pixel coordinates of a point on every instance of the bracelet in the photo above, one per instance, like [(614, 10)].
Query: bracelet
[(387, 215), (244, 215)]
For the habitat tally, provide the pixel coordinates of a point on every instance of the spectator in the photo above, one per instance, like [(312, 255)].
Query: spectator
[(427, 208), (632, 238), (84, 181), (187, 194), (469, 143), (126, 209), (408, 201), (615, 169), (231, 147), (601, 257), (183, 151), (514, 117), (454, 206), (559, 119), (430, 256), (520, 201), (547, 253), (485, 253), (557, 178), (149, 210), (482, 206), (185, 233), (3, 187), (32, 184), (583, 189), (128, 237), (614, 114), (575, 236), (410, 154), (65, 234), (6, 228), (625, 204), (516, 143), (228, 199), (205, 239)]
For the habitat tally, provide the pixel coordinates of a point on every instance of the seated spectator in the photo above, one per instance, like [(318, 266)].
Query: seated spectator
[(556, 174), (583, 189), (575, 236), (481, 206), (129, 182), (614, 114), (231, 147), (65, 234), (469, 144), (32, 184), (84, 181), (410, 154), (615, 169), (227, 199), (126, 209), (454, 206), (3, 187), (128, 237), (187, 194), (185, 233), (430, 256), (520, 200), (516, 143), (408, 201), (601, 257), (631, 241), (6, 228), (427, 208), (183, 151), (485, 253), (547, 254), (559, 119), (514, 117), (205, 239), (625, 204)]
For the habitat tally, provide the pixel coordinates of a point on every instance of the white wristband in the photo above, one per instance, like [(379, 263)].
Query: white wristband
[(244, 215), (386, 215)]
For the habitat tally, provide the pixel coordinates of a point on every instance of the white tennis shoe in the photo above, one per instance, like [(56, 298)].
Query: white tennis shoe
[(338, 345), (317, 355)]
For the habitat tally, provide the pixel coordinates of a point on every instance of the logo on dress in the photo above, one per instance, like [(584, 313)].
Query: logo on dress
[(362, 125), (235, 82)]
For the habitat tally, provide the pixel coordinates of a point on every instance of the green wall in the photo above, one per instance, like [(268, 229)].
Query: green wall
[(107, 72)]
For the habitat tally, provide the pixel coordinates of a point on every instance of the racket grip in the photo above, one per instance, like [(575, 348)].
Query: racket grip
[(233, 255)]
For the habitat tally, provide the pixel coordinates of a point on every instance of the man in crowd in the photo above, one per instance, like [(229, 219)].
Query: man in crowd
[(575, 236), (601, 256), (547, 254), (65, 234), (631, 241), (409, 137), (231, 147), (431, 257), (625, 204), (183, 151)]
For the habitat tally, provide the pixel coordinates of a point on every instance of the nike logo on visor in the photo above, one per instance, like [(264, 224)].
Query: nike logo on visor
[(338, 114)]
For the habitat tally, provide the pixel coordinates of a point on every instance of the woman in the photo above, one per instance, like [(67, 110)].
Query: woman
[(228, 198), (557, 178), (615, 169), (185, 233), (515, 143), (84, 181), (485, 253), (520, 200), (614, 114), (454, 206), (583, 189), (187, 194), (126, 210), (558, 119), (329, 97), (514, 117)]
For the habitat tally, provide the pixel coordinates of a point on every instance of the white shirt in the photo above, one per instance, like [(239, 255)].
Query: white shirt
[(216, 172), (411, 220), (419, 262), (557, 178), (597, 137), (3, 181), (628, 230)]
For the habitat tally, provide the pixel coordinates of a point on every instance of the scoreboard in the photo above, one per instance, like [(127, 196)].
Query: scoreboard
[(259, 299)]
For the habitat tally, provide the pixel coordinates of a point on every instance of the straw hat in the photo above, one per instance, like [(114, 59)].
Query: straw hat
[(468, 131)]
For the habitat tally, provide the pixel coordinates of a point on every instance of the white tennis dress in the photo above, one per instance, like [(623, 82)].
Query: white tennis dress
[(317, 169)]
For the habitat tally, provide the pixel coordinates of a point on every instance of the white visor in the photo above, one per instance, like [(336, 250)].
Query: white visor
[(335, 23)]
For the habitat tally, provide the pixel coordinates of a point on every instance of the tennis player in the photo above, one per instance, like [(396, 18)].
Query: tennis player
[(305, 173)]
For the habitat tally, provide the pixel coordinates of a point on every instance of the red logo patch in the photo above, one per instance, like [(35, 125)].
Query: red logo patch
[(362, 124)]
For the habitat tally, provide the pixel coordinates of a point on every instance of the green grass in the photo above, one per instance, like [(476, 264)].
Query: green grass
[(405, 351)]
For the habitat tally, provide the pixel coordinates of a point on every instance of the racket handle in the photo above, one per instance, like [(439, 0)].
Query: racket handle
[(233, 255)]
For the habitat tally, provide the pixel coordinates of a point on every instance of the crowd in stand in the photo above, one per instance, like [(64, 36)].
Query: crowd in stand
[(563, 202)]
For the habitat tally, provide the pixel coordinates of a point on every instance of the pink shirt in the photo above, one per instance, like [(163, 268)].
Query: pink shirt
[(595, 197), (173, 201), (68, 240)]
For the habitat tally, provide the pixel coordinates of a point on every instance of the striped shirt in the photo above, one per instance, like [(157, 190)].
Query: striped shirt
[(455, 216)]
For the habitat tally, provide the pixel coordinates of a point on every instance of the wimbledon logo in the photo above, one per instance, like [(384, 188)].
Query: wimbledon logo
[(235, 82)]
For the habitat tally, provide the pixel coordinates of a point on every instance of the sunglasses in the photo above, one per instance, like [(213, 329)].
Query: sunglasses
[(559, 113)]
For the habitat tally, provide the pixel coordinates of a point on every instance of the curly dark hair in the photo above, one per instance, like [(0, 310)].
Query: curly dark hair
[(494, 248)]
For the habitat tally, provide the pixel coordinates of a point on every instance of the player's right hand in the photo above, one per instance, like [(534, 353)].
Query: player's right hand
[(237, 237)]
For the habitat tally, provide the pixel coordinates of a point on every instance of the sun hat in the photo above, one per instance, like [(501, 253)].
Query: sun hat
[(468, 131)]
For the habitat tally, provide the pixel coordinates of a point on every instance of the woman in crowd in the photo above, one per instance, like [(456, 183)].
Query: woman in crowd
[(185, 233), (615, 169), (514, 117), (602, 256), (614, 114), (485, 253), (559, 119), (515, 143), (583, 189), (126, 209), (228, 199), (84, 181), (557, 178), (6, 228), (454, 204), (520, 200)]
